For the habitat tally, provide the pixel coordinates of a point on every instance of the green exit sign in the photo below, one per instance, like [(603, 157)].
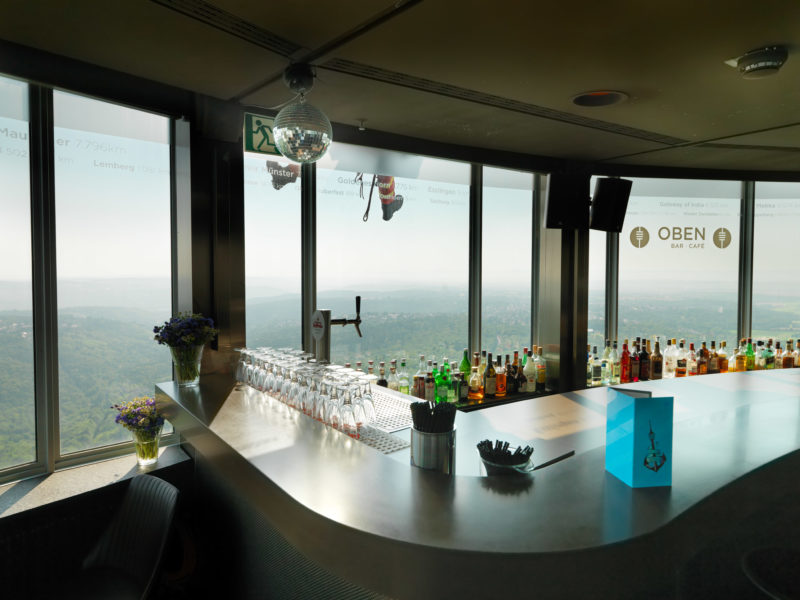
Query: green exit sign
[(258, 134)]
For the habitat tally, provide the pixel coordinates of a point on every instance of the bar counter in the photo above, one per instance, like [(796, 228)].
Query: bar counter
[(567, 530)]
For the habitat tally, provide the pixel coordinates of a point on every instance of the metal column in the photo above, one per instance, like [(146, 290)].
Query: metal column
[(537, 222), (612, 285), (475, 256), (181, 211), (308, 251), (746, 230)]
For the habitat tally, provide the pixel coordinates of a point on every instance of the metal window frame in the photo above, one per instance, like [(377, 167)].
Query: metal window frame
[(475, 265), (744, 316)]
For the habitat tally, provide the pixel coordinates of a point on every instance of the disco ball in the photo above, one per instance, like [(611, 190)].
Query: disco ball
[(302, 132)]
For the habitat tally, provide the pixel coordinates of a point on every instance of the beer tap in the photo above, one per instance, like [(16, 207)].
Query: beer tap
[(321, 330), (356, 321)]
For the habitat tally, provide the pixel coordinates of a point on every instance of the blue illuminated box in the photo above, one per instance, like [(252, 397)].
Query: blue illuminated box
[(639, 437)]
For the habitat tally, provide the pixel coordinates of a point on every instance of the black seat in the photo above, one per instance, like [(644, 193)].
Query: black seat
[(775, 571), (124, 562)]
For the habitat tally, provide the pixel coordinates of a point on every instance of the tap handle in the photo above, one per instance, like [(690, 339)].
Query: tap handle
[(358, 327), (358, 308)]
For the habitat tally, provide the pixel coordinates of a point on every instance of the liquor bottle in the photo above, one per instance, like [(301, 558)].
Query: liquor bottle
[(644, 361), (635, 362), (403, 383), (796, 353), (589, 362), (419, 379), (382, 377), (741, 356), (443, 384), (606, 365), (778, 357), (500, 378), (788, 356), (625, 364), (750, 356), (475, 391), (769, 356), (692, 362), (530, 374), (702, 360), (722, 357), (430, 387), (371, 367), (656, 362), (393, 381), (615, 364), (511, 375), (713, 359), (522, 381), (346, 365), (358, 366), (483, 367), (524, 357), (465, 367), (681, 361), (489, 379), (597, 368), (541, 371), (670, 359), (759, 356)]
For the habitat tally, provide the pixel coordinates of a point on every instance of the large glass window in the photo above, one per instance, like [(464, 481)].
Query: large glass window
[(112, 179), (408, 260), (272, 251), (776, 277), (506, 279), (678, 264), (17, 409)]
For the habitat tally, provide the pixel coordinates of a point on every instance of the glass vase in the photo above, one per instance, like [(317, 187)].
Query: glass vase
[(145, 441), (187, 364)]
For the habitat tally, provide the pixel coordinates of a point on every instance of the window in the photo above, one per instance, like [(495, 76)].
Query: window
[(112, 188), (17, 410), (272, 251), (678, 260), (408, 261), (776, 277), (506, 261)]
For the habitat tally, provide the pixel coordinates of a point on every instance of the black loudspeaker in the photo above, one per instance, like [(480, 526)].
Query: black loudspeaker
[(609, 204), (567, 201)]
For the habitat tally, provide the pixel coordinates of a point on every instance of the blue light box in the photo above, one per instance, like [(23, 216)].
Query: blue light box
[(639, 437)]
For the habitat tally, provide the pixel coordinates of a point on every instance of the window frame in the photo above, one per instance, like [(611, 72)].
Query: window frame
[(41, 135)]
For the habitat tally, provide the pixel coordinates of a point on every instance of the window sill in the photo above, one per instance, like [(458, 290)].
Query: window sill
[(28, 494)]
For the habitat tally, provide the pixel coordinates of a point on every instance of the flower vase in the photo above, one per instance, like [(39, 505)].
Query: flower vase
[(187, 364), (146, 443)]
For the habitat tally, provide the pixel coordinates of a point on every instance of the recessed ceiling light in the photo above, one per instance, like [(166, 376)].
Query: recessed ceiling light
[(599, 98)]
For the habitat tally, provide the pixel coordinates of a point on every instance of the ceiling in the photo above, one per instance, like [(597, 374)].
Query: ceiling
[(499, 75)]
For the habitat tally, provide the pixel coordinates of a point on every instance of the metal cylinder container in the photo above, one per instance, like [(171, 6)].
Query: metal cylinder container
[(434, 451)]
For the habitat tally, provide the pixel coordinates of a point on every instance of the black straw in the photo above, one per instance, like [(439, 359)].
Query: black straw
[(499, 454), (438, 419)]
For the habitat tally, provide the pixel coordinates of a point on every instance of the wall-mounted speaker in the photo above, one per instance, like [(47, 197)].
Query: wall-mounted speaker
[(567, 201), (609, 203)]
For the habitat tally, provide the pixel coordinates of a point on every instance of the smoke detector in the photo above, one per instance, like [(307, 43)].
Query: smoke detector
[(760, 62)]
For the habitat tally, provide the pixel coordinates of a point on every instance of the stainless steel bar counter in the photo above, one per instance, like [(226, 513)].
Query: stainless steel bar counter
[(568, 530)]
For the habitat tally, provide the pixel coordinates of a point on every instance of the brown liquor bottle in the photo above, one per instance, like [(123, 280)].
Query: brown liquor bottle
[(702, 360), (635, 361), (656, 362), (787, 361), (489, 379), (511, 376), (713, 359), (682, 362), (722, 357), (500, 375)]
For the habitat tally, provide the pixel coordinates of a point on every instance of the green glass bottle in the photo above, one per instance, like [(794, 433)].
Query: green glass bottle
[(750, 356), (465, 367)]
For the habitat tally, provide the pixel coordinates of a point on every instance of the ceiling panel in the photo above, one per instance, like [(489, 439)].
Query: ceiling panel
[(413, 113), (140, 38), (715, 157)]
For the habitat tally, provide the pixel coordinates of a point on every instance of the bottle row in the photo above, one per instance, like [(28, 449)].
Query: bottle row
[(640, 363), (470, 380)]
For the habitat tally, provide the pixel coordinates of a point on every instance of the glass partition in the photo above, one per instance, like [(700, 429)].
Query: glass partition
[(112, 180), (776, 276), (406, 253), (678, 260), (272, 251), (506, 262), (17, 408)]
